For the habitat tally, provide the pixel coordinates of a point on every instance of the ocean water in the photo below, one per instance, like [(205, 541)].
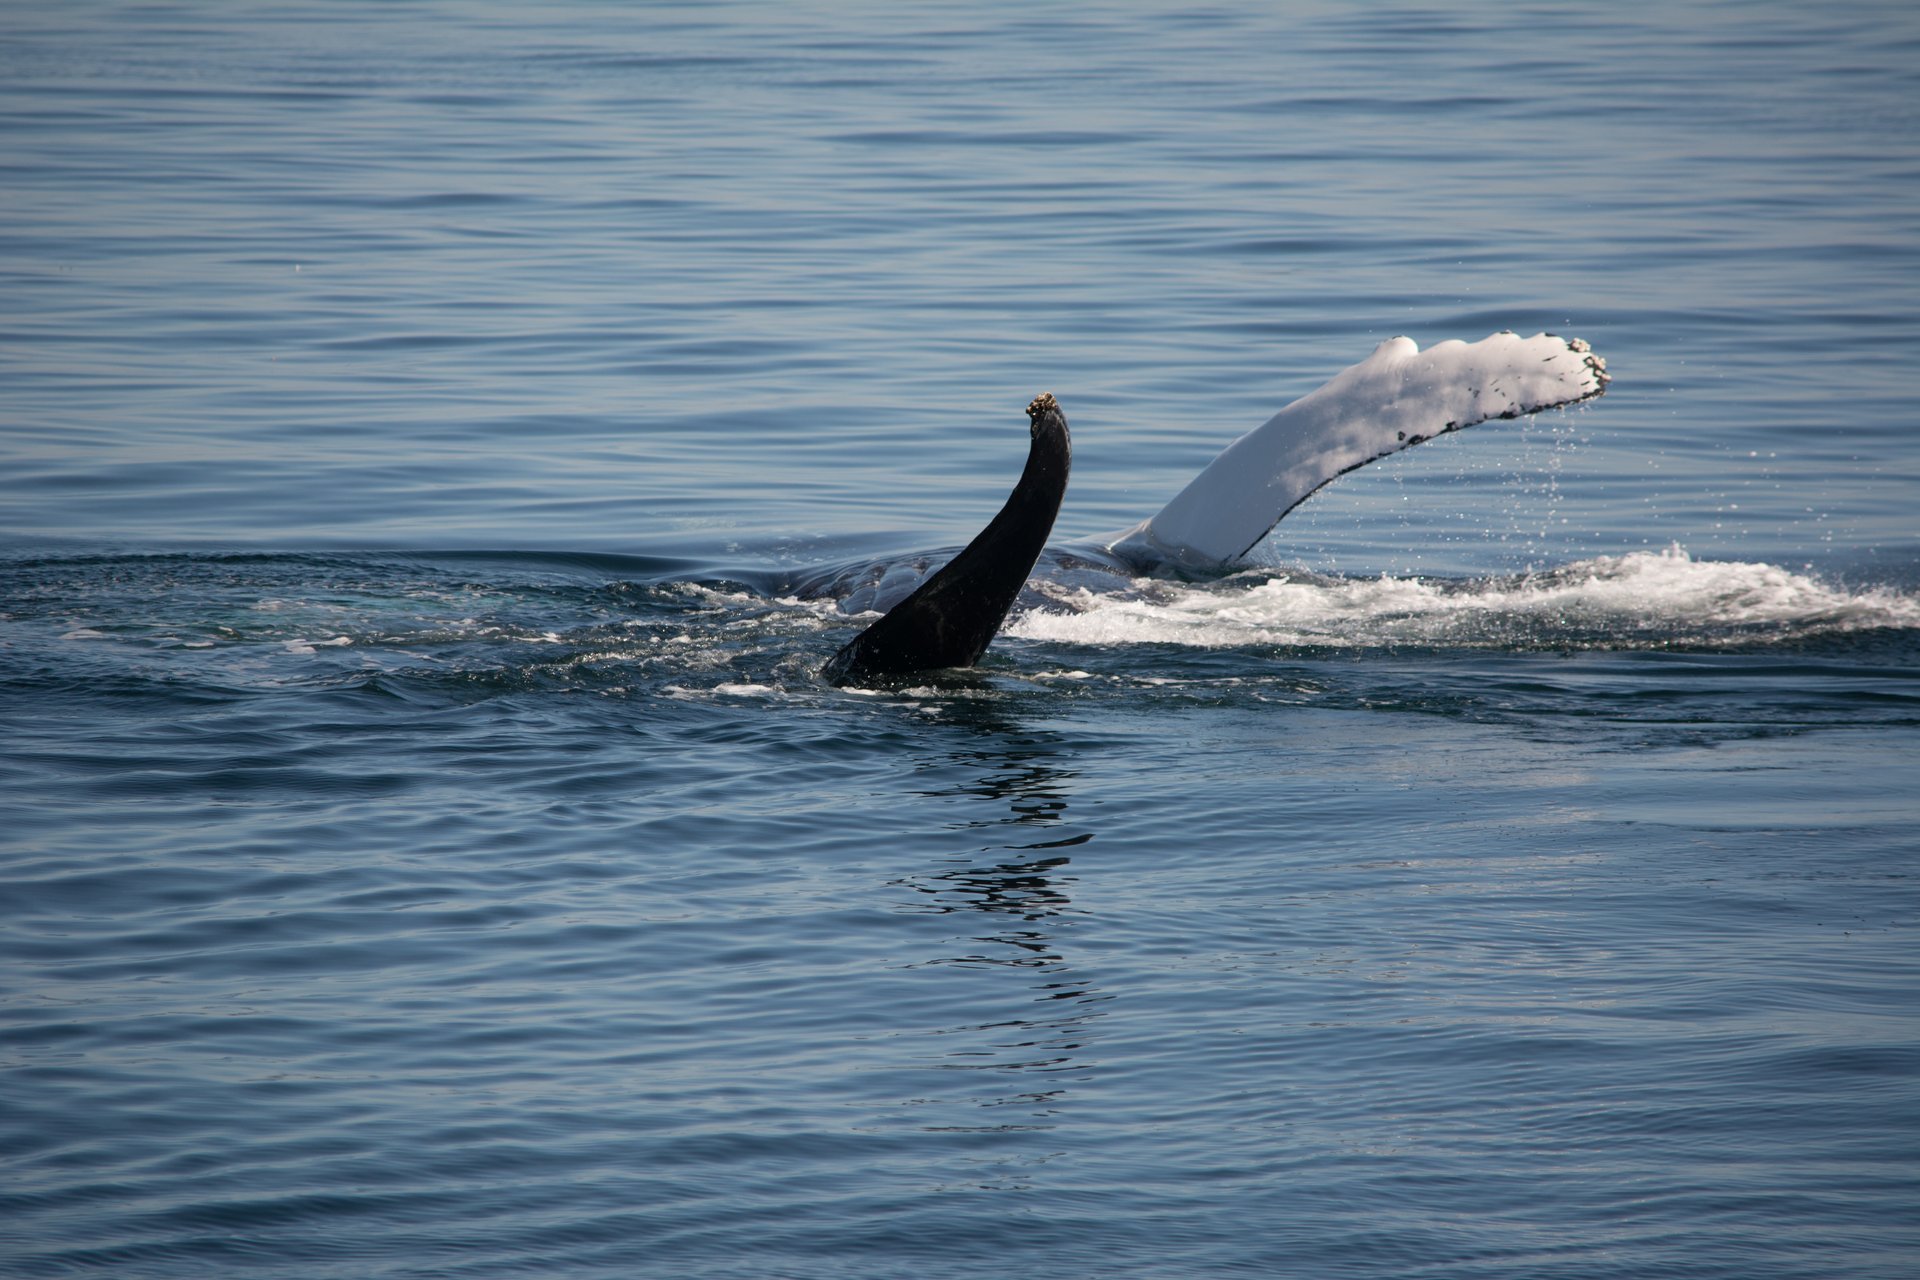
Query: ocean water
[(429, 851)]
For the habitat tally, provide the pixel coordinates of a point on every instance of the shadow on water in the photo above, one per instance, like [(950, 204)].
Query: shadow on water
[(1012, 901)]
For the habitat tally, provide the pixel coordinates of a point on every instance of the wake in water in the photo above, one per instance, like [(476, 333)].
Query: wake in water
[(279, 617), (1616, 638), (1644, 600)]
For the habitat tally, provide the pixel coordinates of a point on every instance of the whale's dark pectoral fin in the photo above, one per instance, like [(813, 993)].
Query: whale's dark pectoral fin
[(948, 621)]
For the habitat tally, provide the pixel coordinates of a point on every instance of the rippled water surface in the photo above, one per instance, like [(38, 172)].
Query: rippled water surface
[(430, 852)]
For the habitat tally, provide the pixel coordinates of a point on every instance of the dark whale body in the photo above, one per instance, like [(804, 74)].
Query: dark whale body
[(950, 618)]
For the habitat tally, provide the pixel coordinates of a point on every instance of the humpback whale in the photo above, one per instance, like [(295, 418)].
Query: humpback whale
[(1396, 398)]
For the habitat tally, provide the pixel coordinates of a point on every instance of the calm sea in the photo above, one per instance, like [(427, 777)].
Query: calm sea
[(428, 851)]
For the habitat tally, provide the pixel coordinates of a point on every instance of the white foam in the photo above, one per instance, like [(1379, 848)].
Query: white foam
[(304, 646), (1665, 596), (713, 595)]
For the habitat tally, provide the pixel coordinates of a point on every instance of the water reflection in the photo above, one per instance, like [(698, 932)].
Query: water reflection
[(1019, 887)]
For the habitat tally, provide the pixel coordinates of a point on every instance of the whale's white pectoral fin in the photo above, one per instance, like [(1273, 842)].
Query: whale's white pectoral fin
[(1392, 400)]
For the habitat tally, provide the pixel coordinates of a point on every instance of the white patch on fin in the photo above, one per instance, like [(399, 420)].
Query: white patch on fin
[(1392, 400)]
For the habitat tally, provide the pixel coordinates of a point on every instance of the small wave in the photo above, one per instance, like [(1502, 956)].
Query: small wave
[(1640, 600)]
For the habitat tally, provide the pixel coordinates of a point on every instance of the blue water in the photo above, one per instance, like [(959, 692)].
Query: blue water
[(428, 851)]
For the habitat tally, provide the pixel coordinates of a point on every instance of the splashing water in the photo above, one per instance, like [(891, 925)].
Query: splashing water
[(1641, 600)]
